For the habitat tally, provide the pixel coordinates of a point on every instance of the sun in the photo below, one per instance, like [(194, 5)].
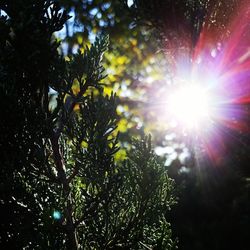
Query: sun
[(190, 106)]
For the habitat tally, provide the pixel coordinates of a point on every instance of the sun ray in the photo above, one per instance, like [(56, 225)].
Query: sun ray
[(211, 93)]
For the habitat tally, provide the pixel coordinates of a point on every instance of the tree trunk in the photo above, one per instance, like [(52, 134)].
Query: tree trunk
[(71, 241)]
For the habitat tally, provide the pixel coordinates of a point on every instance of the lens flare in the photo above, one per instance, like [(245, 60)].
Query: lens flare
[(213, 86), (190, 106), (220, 65), (56, 215)]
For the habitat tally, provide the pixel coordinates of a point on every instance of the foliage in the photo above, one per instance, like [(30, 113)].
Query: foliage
[(132, 57), (61, 187), (213, 209)]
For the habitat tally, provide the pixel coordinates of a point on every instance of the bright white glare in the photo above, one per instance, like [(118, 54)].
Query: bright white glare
[(190, 106), (130, 3)]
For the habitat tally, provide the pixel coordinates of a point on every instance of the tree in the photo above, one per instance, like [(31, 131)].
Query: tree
[(60, 185)]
